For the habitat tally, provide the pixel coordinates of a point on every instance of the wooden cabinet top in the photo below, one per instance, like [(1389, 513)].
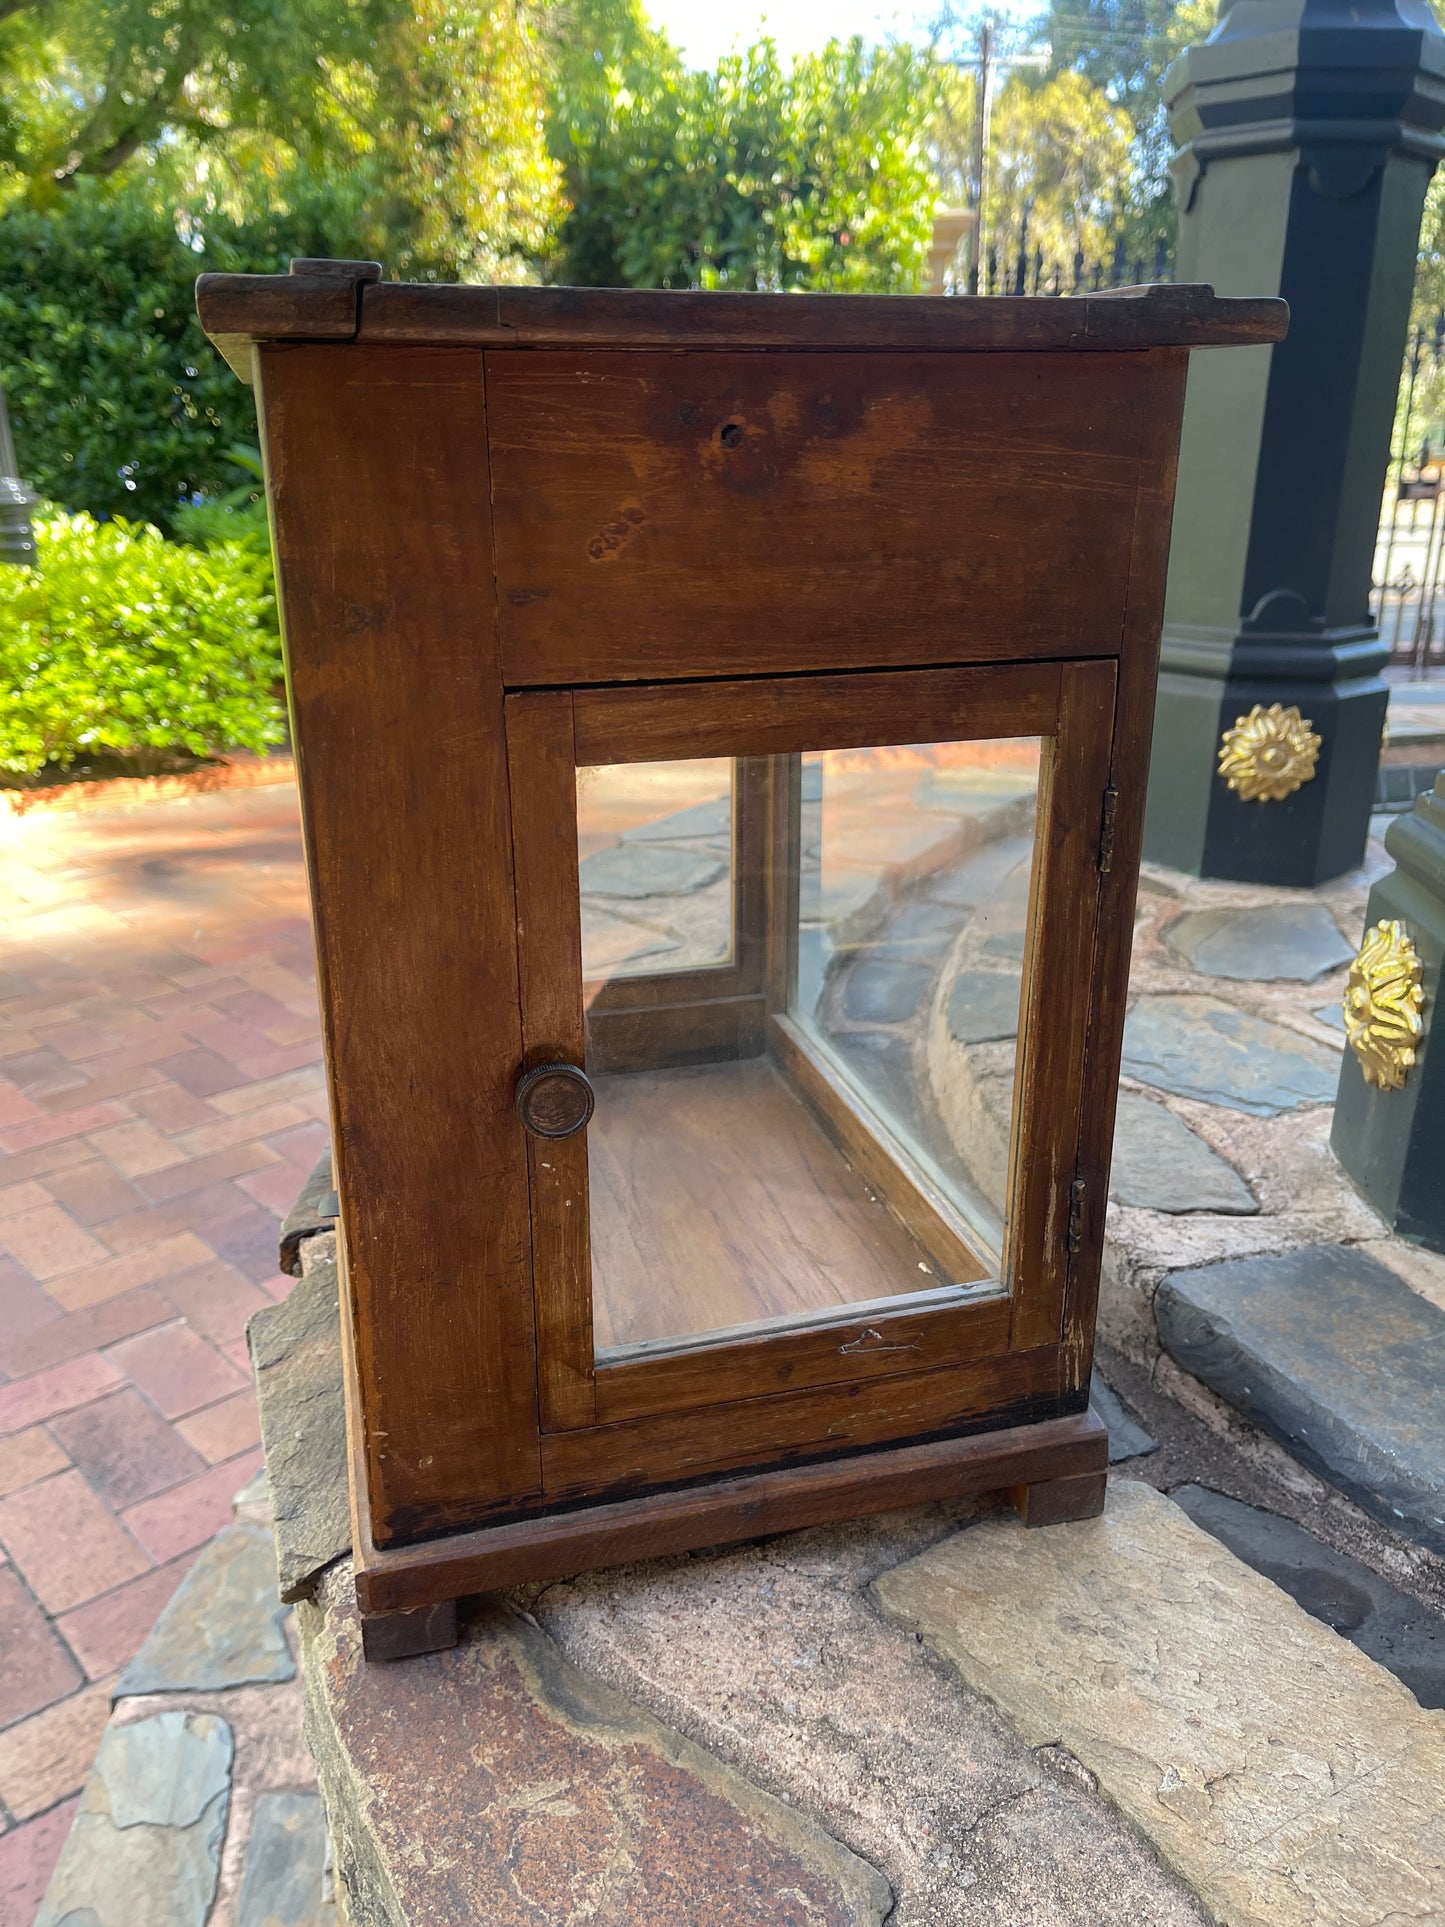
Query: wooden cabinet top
[(348, 301)]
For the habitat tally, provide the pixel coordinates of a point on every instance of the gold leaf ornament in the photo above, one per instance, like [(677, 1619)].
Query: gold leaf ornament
[(1268, 754), (1383, 1001)]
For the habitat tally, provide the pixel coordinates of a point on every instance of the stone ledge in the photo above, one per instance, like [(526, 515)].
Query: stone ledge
[(296, 1358), (1333, 1355), (1287, 1778), (498, 1783)]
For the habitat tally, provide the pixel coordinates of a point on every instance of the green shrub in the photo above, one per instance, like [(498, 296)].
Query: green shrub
[(124, 644), (119, 403)]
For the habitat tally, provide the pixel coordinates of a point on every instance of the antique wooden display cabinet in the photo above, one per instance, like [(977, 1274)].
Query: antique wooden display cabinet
[(722, 724)]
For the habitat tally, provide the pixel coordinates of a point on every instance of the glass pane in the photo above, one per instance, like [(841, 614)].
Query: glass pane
[(916, 868), (654, 849), (820, 1119)]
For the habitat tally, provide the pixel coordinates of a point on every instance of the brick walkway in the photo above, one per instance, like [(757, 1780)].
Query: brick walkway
[(161, 1103)]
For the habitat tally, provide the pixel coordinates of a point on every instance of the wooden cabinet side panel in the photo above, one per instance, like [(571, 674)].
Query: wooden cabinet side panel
[(662, 515), (377, 471), (1163, 395)]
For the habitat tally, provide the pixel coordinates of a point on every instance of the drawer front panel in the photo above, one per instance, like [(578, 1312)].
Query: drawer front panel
[(734, 514)]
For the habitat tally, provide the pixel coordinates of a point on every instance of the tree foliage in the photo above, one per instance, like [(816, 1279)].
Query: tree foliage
[(1061, 169), (756, 175), (1125, 48), (119, 403), (414, 124)]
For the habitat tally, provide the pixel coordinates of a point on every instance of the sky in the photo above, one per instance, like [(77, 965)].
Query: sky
[(706, 29)]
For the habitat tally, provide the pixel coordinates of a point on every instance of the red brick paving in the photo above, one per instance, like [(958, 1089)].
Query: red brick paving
[(161, 1104), (27, 1859)]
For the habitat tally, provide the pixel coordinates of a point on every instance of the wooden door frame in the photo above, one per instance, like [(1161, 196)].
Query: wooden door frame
[(552, 732)]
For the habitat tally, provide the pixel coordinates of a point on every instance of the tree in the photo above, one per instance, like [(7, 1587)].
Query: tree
[(415, 124), (756, 175), (1061, 171), (1125, 47)]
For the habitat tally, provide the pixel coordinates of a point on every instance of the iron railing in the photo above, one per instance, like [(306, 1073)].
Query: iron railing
[(1409, 577)]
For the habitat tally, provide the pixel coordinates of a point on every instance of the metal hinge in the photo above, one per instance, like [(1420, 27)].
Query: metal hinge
[(1074, 1237), (1106, 831)]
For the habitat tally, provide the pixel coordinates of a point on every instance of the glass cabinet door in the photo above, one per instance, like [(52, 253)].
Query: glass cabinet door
[(803, 963)]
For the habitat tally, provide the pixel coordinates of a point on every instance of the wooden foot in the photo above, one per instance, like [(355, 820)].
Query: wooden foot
[(402, 1635), (1056, 1502)]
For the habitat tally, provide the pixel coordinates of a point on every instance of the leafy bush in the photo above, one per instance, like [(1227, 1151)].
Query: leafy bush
[(123, 644), (758, 175), (120, 405)]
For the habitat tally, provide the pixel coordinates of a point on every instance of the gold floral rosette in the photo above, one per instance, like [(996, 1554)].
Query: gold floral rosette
[(1268, 754), (1383, 1003)]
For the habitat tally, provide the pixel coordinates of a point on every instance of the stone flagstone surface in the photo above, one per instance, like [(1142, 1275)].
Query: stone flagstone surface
[(1162, 1165), (1398, 1631), (1333, 1354), (1298, 940), (297, 1352), (774, 1657), (1201, 1047), (223, 1626), (146, 1845), (497, 1783), (1288, 1779), (286, 1864)]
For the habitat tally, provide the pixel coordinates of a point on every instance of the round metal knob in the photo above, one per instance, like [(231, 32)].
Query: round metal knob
[(554, 1100)]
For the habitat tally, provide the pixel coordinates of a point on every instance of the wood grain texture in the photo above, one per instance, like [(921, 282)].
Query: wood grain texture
[(873, 1151), (1133, 732), (785, 714), (629, 318), (1057, 1502), (668, 1448), (1057, 1002), (748, 1507), (402, 775), (717, 1200), (874, 1340), (910, 510), (543, 781)]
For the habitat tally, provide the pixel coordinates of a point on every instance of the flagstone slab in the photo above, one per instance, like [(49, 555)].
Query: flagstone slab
[(1335, 1356), (317, 1209), (648, 870), (1161, 1165), (296, 1358), (1289, 1779), (222, 1627), (1270, 943), (1398, 1632), (286, 1864), (983, 1006), (885, 990), (1127, 1437), (774, 1656), (145, 1847), (497, 1783), (1202, 1047)]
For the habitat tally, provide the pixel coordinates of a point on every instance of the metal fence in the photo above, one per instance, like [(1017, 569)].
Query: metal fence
[(1409, 576), (1026, 271)]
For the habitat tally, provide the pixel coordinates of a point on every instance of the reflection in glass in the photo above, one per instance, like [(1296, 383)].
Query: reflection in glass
[(654, 849), (915, 870), (803, 984)]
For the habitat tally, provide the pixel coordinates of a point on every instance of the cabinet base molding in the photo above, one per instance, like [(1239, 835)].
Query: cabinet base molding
[(1053, 1471)]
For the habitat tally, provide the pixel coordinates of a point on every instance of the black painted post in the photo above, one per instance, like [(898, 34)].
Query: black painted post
[(1309, 133), (1389, 1126)]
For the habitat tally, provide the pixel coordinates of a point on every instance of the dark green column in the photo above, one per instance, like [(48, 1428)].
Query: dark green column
[(1389, 1127), (1308, 135)]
